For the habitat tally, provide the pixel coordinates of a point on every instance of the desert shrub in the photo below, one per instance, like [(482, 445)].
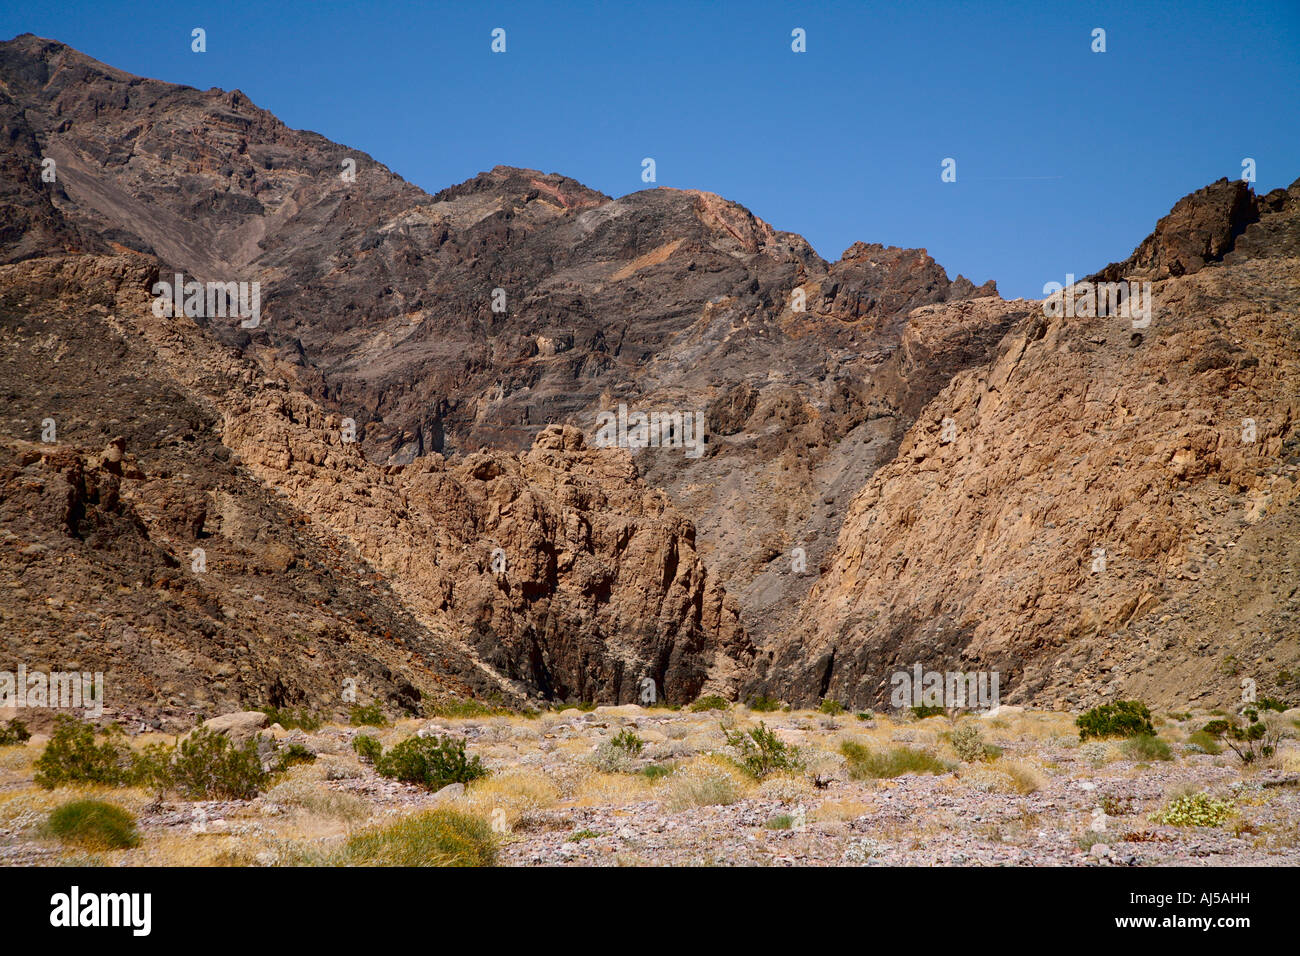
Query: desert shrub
[(969, 744), (577, 836), (865, 764), (657, 771), (866, 715), (1249, 737), (431, 762), (209, 766), (72, 756), (367, 748), (627, 741), (1272, 703), (763, 705), (761, 752), (93, 825), (1194, 810), (14, 732), (468, 707), (292, 756), (699, 785), (368, 715), (1124, 718), (586, 706), (927, 710), (710, 702), (782, 821), (1205, 742), (1147, 747), (434, 838), (832, 707), (291, 719)]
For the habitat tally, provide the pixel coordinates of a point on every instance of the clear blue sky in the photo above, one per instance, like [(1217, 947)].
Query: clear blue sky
[(1065, 157)]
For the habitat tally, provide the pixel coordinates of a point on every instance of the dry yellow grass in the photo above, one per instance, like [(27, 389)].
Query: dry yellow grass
[(612, 789), (515, 791), (1024, 777)]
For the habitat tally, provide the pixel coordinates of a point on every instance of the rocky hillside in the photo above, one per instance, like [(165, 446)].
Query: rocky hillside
[(393, 473), (1115, 511), (478, 316)]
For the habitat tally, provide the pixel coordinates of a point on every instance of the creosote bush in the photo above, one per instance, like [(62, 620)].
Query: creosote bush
[(431, 762), (93, 825), (1124, 718), (14, 732), (72, 756), (709, 702), (209, 766), (368, 715), (761, 752), (1249, 737), (367, 748)]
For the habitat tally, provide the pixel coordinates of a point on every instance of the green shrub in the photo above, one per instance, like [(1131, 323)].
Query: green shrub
[(865, 764), (927, 710), (763, 705), (93, 825), (368, 715), (1147, 747), (1124, 718), (657, 771), (782, 821), (1195, 810), (367, 748), (577, 836), (291, 719), (14, 732), (709, 702), (291, 756), (1205, 742), (762, 752), (969, 744), (1249, 737), (72, 756), (1272, 703), (628, 741), (466, 708), (431, 762), (832, 707), (866, 715), (432, 838), (209, 766)]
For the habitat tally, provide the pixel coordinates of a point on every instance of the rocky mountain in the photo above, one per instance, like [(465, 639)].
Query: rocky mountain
[(402, 449), (1114, 511)]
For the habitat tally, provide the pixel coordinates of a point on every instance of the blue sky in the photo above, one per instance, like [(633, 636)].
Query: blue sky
[(1065, 157)]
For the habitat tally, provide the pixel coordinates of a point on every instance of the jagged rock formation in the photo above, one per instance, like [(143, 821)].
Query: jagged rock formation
[(1171, 455), (378, 301), (968, 453)]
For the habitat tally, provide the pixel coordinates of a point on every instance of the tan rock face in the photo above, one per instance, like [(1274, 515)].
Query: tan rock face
[(1067, 513)]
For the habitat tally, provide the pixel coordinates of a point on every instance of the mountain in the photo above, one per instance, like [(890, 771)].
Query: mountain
[(474, 540)]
